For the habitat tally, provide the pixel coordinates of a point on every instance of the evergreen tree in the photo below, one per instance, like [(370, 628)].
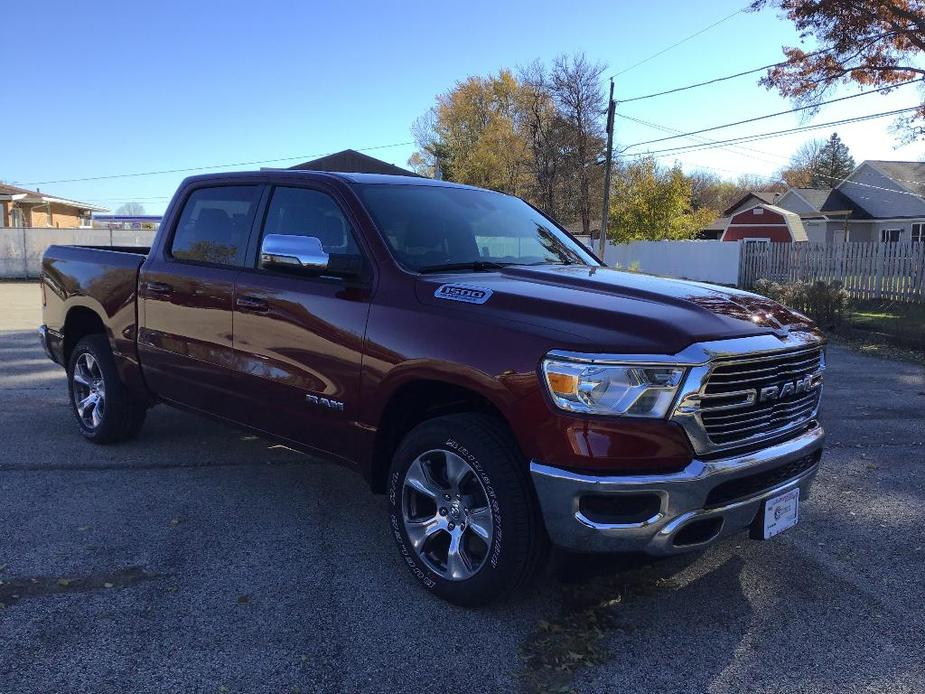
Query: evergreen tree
[(833, 164)]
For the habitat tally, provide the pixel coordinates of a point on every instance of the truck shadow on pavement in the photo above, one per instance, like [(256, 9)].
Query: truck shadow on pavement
[(276, 572), (23, 364)]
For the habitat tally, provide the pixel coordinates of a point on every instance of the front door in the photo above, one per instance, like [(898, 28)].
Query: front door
[(298, 336), (186, 294)]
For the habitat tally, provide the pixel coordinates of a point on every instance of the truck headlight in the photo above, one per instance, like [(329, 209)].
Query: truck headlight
[(614, 389)]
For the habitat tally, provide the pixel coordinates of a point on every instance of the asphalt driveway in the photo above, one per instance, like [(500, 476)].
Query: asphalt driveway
[(201, 559)]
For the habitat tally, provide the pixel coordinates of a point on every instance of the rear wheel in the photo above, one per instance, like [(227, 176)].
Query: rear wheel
[(106, 411), (461, 509)]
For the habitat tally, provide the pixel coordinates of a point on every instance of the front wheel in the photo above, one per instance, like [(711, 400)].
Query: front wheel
[(106, 411), (461, 509)]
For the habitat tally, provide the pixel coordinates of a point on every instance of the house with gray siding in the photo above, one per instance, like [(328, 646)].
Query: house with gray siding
[(826, 212), (893, 192), (879, 201)]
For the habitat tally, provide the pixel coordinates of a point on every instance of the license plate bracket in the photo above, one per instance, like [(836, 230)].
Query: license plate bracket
[(777, 514)]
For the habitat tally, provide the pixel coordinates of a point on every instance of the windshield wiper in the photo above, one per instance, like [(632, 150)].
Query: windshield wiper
[(475, 266)]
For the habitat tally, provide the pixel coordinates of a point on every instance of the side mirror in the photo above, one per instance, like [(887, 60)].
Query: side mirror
[(283, 250)]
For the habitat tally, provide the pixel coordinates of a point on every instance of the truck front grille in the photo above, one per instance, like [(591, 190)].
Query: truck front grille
[(754, 398)]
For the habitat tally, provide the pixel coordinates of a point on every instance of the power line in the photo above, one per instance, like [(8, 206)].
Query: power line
[(835, 180), (839, 181), (719, 79), (678, 43), (763, 136), (128, 198), (769, 115), (205, 168), (701, 84), (665, 128)]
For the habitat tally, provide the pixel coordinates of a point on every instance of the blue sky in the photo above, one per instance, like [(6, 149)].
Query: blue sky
[(120, 87)]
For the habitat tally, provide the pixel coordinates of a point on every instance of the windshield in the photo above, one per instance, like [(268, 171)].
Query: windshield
[(433, 228)]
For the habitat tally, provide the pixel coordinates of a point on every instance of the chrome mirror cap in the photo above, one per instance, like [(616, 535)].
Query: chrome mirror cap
[(293, 251)]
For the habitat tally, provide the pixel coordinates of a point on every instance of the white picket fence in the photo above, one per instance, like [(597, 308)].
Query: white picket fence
[(21, 250), (893, 271)]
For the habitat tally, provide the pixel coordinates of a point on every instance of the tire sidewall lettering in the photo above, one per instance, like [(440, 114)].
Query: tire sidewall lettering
[(473, 461), (410, 558)]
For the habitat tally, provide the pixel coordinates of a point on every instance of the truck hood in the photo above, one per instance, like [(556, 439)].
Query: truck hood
[(608, 310)]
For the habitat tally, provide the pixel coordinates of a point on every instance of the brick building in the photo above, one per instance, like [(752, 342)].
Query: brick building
[(20, 207)]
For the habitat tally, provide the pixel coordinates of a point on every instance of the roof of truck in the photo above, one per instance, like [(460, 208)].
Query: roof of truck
[(350, 178), (399, 180)]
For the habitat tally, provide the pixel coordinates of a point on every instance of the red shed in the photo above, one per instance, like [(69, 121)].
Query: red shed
[(765, 222)]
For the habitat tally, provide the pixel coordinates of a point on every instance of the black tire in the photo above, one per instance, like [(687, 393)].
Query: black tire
[(518, 539), (121, 415)]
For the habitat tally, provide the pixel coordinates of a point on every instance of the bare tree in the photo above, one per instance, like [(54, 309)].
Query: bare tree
[(426, 160), (545, 134), (576, 89), (131, 209)]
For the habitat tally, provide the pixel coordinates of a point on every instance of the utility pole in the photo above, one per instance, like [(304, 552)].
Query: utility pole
[(605, 214)]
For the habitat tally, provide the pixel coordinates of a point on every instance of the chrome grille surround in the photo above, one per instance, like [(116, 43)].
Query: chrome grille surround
[(723, 405), (701, 360)]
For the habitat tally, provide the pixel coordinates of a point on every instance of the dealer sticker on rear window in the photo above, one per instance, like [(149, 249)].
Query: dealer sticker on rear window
[(463, 292)]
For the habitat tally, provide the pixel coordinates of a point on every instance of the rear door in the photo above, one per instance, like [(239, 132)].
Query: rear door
[(298, 337), (186, 293)]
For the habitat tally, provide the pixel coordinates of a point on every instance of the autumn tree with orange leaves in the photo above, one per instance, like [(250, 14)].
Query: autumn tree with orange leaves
[(873, 43)]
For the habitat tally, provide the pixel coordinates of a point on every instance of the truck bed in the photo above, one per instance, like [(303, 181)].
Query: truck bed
[(102, 280)]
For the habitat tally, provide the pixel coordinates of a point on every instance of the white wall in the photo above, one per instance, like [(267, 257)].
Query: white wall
[(21, 250), (704, 261)]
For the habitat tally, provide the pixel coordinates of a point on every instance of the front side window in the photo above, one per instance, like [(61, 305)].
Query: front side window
[(304, 212), (434, 228), (215, 224), (918, 233)]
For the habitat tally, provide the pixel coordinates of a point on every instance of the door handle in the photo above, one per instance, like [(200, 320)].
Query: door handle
[(251, 304), (157, 289)]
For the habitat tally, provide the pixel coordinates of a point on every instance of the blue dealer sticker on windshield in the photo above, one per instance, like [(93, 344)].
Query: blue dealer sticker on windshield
[(463, 292)]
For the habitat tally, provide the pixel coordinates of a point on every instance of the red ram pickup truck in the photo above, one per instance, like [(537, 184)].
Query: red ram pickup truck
[(463, 353)]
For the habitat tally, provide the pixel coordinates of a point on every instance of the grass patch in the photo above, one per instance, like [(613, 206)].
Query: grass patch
[(889, 323), (888, 316)]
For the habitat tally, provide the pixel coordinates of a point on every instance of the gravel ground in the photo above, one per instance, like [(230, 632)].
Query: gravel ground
[(202, 559)]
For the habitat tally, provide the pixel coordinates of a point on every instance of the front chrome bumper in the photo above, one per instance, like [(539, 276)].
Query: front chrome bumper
[(682, 500)]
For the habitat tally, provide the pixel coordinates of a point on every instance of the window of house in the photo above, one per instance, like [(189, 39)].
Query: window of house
[(215, 224), (890, 235), (758, 210), (85, 221), (918, 232)]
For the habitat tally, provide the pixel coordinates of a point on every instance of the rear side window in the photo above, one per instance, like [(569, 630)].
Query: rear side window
[(215, 224)]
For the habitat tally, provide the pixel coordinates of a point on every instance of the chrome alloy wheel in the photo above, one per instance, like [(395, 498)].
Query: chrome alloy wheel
[(89, 390), (446, 513)]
